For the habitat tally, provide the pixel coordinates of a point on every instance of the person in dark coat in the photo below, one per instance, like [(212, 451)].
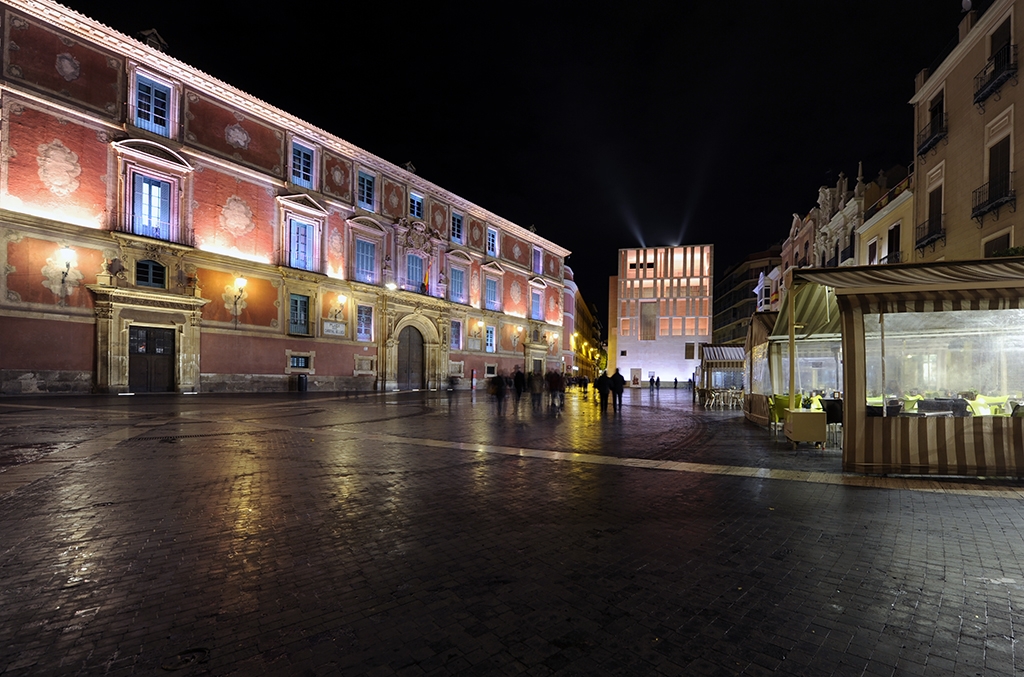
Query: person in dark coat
[(603, 384), (519, 383), (618, 384)]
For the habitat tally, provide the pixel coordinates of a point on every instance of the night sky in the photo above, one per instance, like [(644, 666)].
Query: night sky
[(605, 125)]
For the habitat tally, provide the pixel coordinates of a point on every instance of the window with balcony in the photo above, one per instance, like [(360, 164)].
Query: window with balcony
[(999, 190), (153, 182), (457, 286), (932, 230), (414, 278), (303, 252), (492, 296), (366, 261), (536, 304), (1000, 67), (152, 214), (935, 128)]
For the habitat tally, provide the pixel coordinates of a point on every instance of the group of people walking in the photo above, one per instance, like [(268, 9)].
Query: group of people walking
[(500, 386), (615, 384)]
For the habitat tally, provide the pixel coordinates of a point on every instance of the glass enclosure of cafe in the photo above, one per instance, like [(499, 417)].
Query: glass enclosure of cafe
[(932, 366), (971, 355)]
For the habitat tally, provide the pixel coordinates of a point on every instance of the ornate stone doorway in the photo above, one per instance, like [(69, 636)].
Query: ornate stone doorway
[(410, 374), (151, 359)]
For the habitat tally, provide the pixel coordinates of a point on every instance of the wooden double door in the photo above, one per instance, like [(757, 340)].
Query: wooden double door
[(410, 374), (151, 359)]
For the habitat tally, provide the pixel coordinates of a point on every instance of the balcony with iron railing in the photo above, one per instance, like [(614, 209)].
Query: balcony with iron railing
[(1002, 66), (846, 254), (992, 196), (891, 195), (146, 226), (892, 257), (929, 232), (934, 132), (832, 262)]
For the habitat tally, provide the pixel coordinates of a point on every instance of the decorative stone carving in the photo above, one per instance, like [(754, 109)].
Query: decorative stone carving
[(516, 292), (58, 168), (236, 136), (68, 67), (236, 217)]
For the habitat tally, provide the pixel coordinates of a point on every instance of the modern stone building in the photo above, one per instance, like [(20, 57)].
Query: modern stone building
[(659, 311), (164, 231), (736, 298)]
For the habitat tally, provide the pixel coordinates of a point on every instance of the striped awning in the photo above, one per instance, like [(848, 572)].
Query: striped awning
[(989, 284), (721, 356)]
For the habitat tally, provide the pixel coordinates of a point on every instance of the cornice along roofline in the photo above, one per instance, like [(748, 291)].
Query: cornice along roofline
[(78, 24), (978, 32)]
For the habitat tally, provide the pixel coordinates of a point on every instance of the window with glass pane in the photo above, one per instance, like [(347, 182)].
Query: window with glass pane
[(493, 300), (150, 274), (366, 261), (364, 191), (364, 323), (298, 317), (456, 337), (151, 207), (490, 339), (648, 321), (456, 227), (457, 286), (300, 253), (152, 106), (538, 260), (492, 242), (413, 271), (536, 305), (415, 206), (302, 165)]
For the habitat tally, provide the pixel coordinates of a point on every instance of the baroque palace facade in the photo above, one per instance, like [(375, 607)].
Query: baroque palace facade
[(163, 231)]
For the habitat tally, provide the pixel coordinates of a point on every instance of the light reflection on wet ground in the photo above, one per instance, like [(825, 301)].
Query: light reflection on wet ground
[(415, 533)]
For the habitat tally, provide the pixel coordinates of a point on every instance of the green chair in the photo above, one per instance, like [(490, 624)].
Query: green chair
[(910, 402), (780, 403)]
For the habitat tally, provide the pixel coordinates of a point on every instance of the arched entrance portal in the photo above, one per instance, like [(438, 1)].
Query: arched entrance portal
[(410, 359)]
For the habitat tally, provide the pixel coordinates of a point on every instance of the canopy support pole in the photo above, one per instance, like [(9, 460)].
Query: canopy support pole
[(792, 346)]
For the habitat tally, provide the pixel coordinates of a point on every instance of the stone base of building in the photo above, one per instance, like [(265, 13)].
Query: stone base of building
[(277, 383), (45, 382)]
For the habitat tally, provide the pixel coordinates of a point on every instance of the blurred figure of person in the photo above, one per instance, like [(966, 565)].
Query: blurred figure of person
[(618, 383), (497, 388), (536, 385), (652, 384), (657, 383), (603, 385), (584, 381), (519, 383), (675, 383), (558, 393)]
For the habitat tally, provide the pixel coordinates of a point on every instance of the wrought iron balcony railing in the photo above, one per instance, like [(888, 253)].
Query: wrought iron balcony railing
[(888, 197), (846, 254), (999, 191), (930, 231), (892, 257), (832, 262), (146, 226), (934, 132), (998, 69)]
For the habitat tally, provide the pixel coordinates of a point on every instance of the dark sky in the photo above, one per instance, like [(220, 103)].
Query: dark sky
[(605, 124)]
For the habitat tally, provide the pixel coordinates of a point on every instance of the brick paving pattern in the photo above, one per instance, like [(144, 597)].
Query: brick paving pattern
[(421, 534)]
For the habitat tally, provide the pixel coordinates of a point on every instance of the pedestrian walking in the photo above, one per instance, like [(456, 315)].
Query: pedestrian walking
[(603, 385), (675, 383), (657, 383), (652, 384), (536, 385), (519, 383), (497, 388), (618, 384)]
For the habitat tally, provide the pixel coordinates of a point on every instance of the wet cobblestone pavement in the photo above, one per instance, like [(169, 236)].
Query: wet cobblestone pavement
[(421, 534)]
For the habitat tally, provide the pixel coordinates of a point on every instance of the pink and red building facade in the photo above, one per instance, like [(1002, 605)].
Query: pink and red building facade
[(161, 231)]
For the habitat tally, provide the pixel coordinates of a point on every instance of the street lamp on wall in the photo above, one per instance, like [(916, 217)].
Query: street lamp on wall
[(240, 283), (341, 306), (66, 255), (515, 336)]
